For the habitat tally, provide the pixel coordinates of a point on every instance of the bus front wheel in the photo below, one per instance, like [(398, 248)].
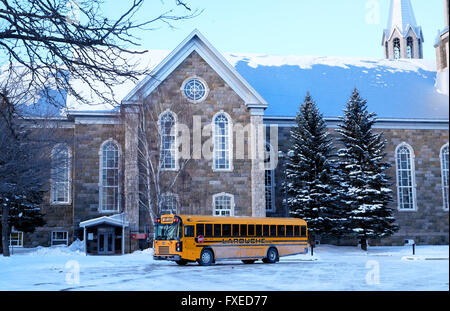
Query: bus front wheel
[(272, 256), (206, 258)]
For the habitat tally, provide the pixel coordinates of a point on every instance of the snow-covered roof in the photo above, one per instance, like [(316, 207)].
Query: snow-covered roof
[(114, 220), (402, 88)]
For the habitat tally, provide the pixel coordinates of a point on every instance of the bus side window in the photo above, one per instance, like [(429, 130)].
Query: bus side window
[(200, 229), (208, 230), (226, 230), (189, 231), (235, 230), (273, 230), (217, 230), (243, 230), (266, 230), (258, 230), (281, 230), (289, 230), (297, 231), (303, 233), (251, 230)]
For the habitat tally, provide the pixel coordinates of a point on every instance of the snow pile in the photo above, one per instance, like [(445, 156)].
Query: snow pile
[(146, 252), (75, 249), (77, 246)]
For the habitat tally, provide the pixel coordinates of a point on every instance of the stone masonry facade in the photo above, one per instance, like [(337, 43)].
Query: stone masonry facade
[(198, 182), (430, 222)]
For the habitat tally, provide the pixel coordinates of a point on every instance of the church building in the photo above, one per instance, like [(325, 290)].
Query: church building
[(237, 111)]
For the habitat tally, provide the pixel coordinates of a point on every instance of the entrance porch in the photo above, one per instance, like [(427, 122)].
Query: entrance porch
[(105, 235)]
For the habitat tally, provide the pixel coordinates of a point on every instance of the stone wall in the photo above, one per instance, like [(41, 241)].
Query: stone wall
[(430, 223), (86, 166), (58, 217), (198, 182)]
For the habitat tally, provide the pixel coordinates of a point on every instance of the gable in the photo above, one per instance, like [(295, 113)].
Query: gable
[(196, 42)]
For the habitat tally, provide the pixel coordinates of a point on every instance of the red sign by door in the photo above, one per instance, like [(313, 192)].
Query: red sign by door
[(138, 236), (201, 239)]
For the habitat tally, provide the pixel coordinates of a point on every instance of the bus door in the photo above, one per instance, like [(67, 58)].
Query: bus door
[(189, 240)]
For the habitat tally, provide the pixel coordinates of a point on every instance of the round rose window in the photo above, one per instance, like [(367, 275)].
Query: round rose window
[(194, 89)]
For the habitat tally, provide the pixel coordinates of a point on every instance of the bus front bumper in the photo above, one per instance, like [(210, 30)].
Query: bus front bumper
[(168, 257)]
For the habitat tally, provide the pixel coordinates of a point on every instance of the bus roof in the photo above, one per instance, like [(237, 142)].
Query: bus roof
[(240, 219)]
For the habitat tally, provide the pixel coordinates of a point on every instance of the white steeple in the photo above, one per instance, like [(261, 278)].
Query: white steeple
[(403, 38), (401, 15)]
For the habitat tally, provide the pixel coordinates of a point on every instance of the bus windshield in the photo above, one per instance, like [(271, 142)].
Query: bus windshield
[(167, 232)]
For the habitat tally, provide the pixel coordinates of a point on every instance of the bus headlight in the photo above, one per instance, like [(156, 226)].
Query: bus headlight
[(179, 246)]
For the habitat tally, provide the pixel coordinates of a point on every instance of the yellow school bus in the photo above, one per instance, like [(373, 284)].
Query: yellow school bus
[(207, 239)]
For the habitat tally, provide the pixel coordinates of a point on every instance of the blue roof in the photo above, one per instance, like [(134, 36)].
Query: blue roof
[(391, 92)]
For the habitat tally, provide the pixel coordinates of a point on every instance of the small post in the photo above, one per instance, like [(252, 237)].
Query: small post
[(413, 244)]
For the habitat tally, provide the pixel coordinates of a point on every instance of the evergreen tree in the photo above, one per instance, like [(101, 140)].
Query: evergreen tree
[(365, 193), (24, 168), (309, 172)]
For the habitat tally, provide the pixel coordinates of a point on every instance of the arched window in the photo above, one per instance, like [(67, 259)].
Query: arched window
[(409, 47), (406, 188), (223, 204), (269, 179), (420, 48), (397, 54), (168, 204), (61, 167), (109, 177), (167, 126), (445, 175), (222, 142)]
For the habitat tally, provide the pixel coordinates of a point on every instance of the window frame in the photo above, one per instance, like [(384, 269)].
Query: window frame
[(232, 204), (175, 197), (409, 47), (228, 235), (189, 231), (412, 175), (229, 140), (268, 169), (445, 177), (205, 85), (66, 240), (397, 46), (19, 239), (69, 177), (215, 233), (119, 177), (173, 134)]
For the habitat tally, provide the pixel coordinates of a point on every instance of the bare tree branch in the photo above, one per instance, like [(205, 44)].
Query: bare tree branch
[(53, 46)]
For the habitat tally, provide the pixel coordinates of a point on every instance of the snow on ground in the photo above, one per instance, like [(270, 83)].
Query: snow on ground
[(331, 268)]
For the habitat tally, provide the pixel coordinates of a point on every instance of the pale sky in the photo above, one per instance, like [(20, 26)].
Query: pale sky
[(287, 27)]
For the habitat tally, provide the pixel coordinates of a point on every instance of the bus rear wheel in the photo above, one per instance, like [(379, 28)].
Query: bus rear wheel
[(182, 262), (206, 258), (248, 262), (272, 256)]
